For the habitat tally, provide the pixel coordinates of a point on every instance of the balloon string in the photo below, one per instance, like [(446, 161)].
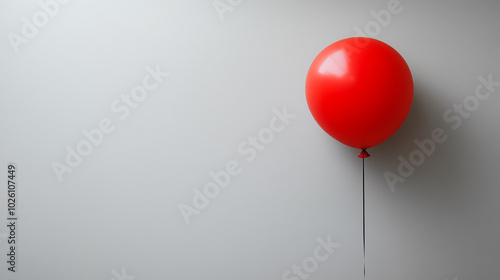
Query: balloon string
[(364, 224)]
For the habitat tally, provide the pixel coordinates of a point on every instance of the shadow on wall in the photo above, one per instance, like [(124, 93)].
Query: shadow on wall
[(401, 147)]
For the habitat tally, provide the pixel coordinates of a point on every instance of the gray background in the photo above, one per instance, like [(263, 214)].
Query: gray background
[(119, 208)]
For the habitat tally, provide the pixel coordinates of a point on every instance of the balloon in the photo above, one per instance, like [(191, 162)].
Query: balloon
[(359, 90)]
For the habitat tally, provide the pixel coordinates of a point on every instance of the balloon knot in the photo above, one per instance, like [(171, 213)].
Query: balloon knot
[(363, 154)]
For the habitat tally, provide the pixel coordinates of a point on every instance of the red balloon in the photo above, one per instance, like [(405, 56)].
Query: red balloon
[(360, 91)]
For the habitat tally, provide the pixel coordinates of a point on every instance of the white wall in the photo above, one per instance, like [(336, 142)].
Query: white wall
[(116, 215)]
